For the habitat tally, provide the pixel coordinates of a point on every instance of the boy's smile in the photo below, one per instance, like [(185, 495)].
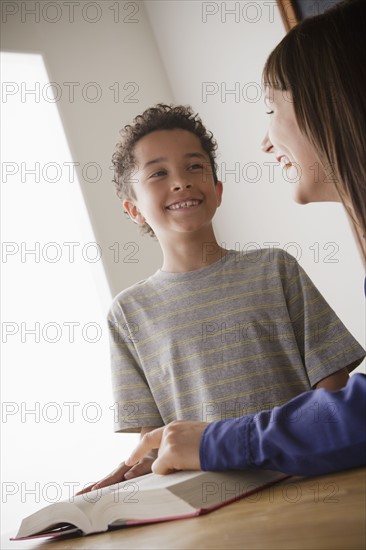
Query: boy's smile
[(188, 203), (174, 184)]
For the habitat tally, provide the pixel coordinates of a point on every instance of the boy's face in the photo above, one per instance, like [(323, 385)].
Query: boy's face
[(174, 184)]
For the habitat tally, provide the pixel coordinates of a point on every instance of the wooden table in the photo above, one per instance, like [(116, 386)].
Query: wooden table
[(325, 512)]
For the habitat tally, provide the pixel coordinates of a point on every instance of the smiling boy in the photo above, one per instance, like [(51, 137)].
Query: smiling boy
[(213, 334), (175, 193)]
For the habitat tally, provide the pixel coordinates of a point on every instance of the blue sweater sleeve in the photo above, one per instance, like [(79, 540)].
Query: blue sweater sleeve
[(315, 433)]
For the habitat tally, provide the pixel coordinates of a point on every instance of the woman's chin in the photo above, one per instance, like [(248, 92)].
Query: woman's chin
[(300, 197)]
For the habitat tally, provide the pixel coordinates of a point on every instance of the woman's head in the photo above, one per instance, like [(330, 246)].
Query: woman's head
[(315, 78)]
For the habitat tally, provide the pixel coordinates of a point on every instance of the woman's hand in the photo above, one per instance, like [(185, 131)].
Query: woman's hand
[(179, 444)]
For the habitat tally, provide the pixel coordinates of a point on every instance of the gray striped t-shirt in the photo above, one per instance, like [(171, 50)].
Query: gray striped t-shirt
[(244, 334)]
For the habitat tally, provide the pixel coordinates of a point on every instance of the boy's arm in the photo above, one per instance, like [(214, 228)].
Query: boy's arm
[(328, 349), (335, 381), (124, 472)]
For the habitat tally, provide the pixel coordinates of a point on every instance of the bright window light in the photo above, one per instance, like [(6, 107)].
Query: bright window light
[(56, 397)]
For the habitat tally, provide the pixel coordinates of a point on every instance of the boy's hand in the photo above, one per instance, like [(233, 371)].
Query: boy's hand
[(124, 473), (179, 444)]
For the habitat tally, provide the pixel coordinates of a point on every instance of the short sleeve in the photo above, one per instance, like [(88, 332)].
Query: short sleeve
[(325, 344), (134, 406)]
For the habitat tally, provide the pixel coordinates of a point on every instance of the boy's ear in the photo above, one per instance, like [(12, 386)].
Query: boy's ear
[(219, 191), (133, 211)]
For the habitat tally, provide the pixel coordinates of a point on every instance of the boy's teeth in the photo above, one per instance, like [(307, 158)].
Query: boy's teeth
[(183, 204)]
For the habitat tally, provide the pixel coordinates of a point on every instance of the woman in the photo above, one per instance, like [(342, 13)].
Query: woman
[(314, 82), (315, 89)]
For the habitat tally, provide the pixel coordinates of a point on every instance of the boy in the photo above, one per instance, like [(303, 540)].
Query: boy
[(214, 334)]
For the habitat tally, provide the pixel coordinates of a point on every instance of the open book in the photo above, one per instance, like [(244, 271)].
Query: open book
[(149, 498)]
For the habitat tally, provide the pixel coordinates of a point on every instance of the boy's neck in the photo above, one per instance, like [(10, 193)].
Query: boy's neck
[(189, 252)]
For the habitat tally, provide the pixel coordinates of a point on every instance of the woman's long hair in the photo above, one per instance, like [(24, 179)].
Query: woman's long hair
[(321, 64)]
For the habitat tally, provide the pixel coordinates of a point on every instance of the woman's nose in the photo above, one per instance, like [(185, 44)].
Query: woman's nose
[(266, 145)]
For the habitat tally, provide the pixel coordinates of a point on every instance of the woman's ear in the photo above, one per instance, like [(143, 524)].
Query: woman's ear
[(133, 211)]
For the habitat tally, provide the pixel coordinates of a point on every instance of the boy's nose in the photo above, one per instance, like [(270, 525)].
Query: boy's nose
[(181, 185), (266, 145)]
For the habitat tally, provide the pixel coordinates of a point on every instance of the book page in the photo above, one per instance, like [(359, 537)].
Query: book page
[(214, 488)]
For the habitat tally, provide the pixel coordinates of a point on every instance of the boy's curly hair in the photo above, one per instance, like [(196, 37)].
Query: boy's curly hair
[(160, 117)]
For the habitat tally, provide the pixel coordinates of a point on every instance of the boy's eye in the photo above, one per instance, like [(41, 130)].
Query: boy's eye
[(195, 166), (158, 174), (269, 112)]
